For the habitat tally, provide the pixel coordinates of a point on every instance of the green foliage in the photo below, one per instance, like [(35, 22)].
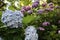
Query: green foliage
[(28, 19), (26, 2), (1, 24), (54, 1)]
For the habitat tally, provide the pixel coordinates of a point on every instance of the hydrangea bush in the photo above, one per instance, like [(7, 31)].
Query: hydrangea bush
[(31, 22)]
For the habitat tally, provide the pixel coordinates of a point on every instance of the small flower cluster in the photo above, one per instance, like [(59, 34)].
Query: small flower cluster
[(36, 5), (28, 9)]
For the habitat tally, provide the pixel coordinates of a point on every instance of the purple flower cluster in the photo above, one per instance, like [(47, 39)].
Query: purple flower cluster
[(22, 10), (41, 28), (45, 23), (25, 8), (28, 8), (44, 4), (50, 6), (29, 11), (40, 11), (49, 9), (35, 4), (57, 7)]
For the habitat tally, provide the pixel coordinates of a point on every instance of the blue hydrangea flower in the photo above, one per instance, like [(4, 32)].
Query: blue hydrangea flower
[(12, 19), (31, 33), (6, 14)]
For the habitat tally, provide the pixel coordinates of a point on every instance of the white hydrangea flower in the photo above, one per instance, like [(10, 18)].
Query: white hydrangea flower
[(16, 4), (30, 33), (8, 4), (12, 19)]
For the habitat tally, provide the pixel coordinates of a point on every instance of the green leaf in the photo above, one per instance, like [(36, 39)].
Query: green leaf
[(54, 27), (28, 19), (0, 13), (26, 2), (12, 8)]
